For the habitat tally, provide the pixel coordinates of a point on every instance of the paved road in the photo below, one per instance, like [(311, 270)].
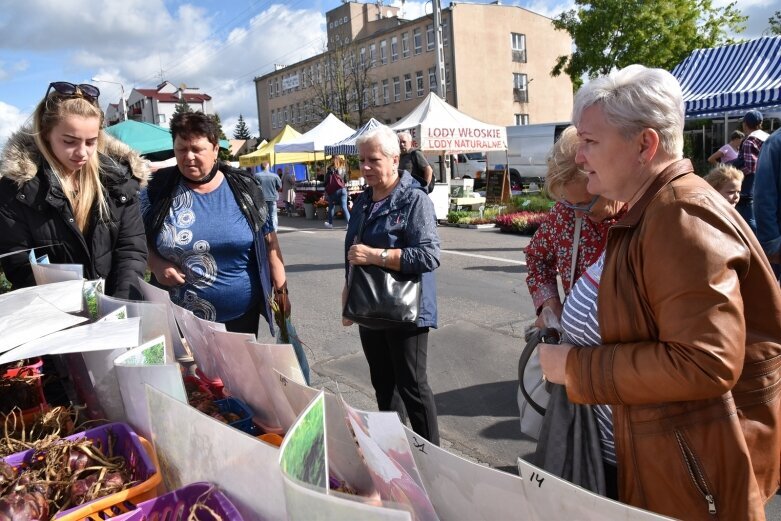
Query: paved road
[(483, 306)]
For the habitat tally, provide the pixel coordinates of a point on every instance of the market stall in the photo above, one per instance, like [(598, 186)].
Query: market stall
[(437, 126)]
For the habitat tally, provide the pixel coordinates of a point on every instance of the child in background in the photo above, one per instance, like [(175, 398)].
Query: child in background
[(726, 180)]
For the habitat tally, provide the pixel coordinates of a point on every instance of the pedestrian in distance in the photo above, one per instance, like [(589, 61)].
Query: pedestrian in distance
[(726, 180), (70, 191), (211, 240), (413, 161), (288, 189), (688, 316), (335, 192), (747, 161), (729, 152), (394, 226), (270, 184)]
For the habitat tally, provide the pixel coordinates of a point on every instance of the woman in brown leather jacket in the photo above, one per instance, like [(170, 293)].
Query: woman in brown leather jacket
[(689, 316)]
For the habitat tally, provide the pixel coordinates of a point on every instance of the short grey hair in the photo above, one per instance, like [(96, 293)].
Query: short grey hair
[(388, 140), (635, 98), (404, 134)]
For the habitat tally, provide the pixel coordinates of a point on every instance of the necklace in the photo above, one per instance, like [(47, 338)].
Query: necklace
[(206, 179)]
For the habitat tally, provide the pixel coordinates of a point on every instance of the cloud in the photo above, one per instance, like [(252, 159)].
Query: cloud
[(8, 71), (11, 118)]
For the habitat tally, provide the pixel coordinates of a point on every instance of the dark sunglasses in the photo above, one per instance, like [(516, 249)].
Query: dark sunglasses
[(85, 90), (581, 208)]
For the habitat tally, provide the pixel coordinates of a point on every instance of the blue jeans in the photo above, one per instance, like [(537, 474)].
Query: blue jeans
[(341, 197), (272, 212), (745, 208)]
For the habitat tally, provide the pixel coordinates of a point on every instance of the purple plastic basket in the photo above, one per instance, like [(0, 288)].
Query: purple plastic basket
[(126, 443), (175, 506)]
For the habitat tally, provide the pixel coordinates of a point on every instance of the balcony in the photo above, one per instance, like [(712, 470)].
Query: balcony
[(519, 55), (520, 95)]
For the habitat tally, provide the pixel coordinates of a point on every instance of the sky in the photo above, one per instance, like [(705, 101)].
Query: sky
[(215, 45)]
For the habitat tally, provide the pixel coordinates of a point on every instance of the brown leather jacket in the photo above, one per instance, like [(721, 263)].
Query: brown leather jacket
[(690, 317)]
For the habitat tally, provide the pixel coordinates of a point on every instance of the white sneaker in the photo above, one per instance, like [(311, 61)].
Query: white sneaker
[(328, 225)]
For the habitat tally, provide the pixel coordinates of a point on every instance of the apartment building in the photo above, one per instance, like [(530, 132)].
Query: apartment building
[(497, 61)]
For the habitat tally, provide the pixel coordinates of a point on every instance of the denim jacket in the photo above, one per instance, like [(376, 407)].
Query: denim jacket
[(407, 221)]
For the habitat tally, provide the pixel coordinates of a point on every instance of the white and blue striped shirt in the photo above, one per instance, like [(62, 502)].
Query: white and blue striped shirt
[(581, 328)]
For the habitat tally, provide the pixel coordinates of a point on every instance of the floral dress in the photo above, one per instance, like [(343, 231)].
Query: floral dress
[(550, 251)]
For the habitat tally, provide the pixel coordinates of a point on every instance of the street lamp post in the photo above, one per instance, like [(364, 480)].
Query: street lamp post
[(122, 94)]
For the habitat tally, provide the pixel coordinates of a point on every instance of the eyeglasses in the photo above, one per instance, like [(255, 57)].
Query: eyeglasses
[(85, 90), (581, 208)]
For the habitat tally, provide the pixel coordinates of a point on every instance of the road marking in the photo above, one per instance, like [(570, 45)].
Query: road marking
[(488, 257), (291, 229)]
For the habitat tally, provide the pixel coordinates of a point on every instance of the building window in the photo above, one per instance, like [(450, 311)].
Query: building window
[(445, 39), (408, 86), (417, 40), (419, 82), (520, 90), (396, 89), (330, 25), (405, 45), (394, 48), (432, 79), (362, 61), (430, 37), (384, 52), (521, 119), (375, 94), (270, 89), (519, 47), (285, 115), (385, 92), (372, 55), (345, 20)]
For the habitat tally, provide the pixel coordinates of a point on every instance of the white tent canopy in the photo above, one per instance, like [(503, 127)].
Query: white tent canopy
[(347, 145), (437, 126), (329, 131)]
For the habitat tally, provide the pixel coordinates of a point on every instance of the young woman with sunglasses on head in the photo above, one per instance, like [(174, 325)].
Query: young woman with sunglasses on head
[(71, 191), (549, 252)]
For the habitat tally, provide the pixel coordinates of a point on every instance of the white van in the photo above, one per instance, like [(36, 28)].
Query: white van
[(528, 148), (468, 165)]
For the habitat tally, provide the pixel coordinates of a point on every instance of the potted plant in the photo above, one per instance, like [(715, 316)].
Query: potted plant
[(321, 209), (309, 204)]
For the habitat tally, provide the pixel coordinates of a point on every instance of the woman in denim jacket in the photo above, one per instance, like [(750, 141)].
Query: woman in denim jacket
[(400, 234)]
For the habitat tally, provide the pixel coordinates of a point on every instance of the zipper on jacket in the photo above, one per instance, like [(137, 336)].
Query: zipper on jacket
[(695, 472)]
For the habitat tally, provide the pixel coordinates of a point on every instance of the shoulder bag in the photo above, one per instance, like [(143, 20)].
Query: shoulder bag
[(379, 298), (533, 395)]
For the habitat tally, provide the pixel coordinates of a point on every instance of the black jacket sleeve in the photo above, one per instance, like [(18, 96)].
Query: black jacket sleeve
[(130, 251)]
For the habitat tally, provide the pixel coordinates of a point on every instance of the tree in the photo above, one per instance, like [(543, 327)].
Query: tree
[(610, 34), (223, 154), (775, 23), (241, 131), (182, 106)]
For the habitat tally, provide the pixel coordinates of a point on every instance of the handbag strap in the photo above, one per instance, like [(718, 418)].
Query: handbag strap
[(526, 355), (575, 249)]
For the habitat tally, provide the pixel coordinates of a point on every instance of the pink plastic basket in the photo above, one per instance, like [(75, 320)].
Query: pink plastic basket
[(176, 505), (141, 466)]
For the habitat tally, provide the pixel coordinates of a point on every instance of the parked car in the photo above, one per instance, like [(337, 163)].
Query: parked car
[(528, 148), (466, 165)]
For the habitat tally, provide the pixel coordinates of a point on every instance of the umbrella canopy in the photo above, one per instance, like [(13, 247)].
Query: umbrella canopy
[(329, 131), (347, 145), (732, 78), (266, 152), (438, 126), (144, 138)]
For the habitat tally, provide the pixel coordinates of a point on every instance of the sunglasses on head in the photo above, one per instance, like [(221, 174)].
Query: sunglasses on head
[(85, 90), (581, 208)]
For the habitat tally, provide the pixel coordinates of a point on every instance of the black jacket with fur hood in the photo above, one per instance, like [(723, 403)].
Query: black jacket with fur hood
[(34, 212)]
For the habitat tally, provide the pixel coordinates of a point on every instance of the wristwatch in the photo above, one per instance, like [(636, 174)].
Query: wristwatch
[(384, 257)]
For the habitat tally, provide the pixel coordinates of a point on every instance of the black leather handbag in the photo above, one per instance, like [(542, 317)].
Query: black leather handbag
[(379, 298)]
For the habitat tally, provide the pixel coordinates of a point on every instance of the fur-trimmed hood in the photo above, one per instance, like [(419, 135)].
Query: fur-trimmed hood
[(21, 158)]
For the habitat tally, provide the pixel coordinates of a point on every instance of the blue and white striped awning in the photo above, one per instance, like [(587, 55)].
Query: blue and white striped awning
[(733, 78), (347, 145)]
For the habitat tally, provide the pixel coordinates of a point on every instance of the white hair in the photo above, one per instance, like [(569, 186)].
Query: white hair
[(635, 98), (387, 139)]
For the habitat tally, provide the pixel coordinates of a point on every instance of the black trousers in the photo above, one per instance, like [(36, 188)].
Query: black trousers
[(397, 362), (248, 322)]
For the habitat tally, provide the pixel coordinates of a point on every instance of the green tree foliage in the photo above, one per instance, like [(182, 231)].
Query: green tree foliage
[(241, 131), (775, 23), (182, 106), (611, 34), (223, 155)]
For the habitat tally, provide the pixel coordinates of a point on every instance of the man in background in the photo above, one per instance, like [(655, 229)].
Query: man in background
[(270, 185), (767, 199), (413, 161), (747, 161)]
